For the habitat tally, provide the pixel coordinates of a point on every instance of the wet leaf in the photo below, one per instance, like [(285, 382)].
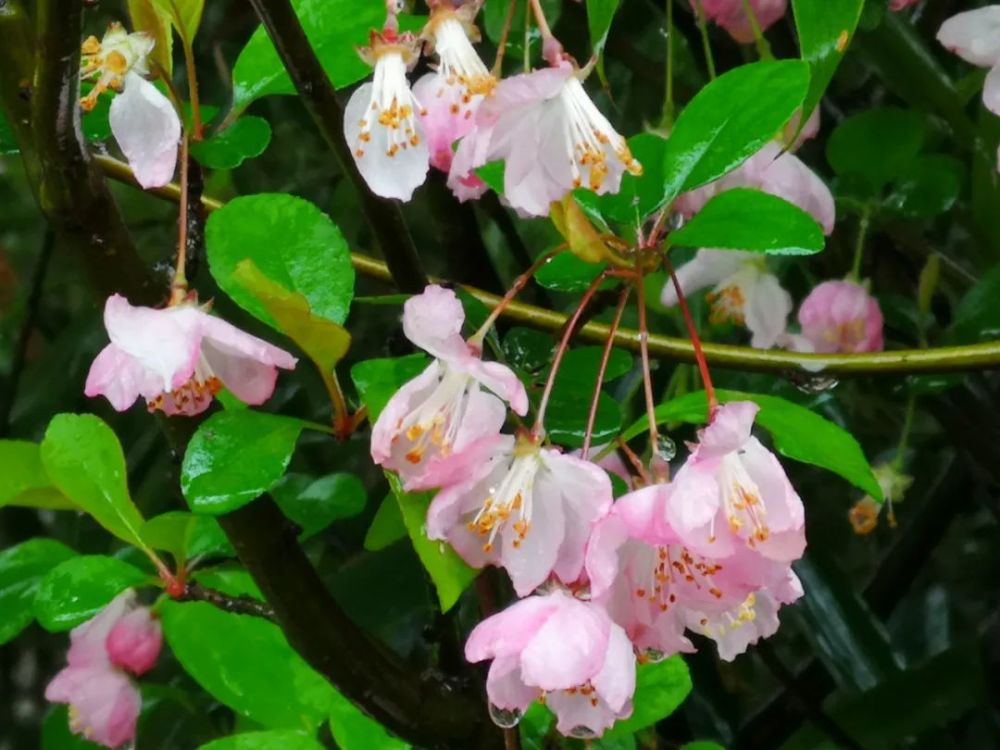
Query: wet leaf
[(79, 588)]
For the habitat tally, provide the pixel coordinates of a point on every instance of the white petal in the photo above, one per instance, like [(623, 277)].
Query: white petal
[(707, 268), (974, 35), (767, 309), (147, 129), (991, 90)]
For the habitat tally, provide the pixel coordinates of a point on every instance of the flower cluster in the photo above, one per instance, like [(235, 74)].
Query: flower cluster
[(143, 121), (123, 639), (542, 124), (602, 583), (837, 316)]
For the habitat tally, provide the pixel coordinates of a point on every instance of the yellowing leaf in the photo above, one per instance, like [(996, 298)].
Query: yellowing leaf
[(152, 18), (584, 240)]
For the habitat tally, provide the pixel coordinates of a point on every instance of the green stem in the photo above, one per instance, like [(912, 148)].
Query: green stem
[(705, 43), (763, 48), (859, 244), (984, 356), (904, 435)]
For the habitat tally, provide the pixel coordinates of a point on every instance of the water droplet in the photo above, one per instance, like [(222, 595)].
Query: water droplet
[(505, 718), (582, 733), (813, 384), (675, 221), (666, 449), (652, 656)]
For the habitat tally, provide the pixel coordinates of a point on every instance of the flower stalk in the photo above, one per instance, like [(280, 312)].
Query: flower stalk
[(605, 356), (699, 353)]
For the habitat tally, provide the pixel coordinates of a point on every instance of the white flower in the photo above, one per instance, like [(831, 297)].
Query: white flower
[(381, 123)]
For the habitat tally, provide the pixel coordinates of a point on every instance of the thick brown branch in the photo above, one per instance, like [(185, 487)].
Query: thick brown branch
[(317, 93), (240, 605)]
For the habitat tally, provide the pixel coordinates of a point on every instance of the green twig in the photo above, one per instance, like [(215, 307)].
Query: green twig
[(699, 12)]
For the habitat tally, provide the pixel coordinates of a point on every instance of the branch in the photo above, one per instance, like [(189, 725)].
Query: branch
[(240, 605), (985, 356), (69, 188), (317, 93), (425, 709)]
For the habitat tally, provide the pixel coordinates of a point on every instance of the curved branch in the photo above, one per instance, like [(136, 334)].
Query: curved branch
[(69, 188), (317, 93), (985, 356)]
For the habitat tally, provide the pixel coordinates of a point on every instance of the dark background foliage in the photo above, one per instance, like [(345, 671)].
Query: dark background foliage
[(899, 636)]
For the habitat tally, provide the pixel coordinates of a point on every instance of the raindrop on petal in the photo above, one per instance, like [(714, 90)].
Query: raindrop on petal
[(666, 449), (582, 733), (506, 718), (652, 656)]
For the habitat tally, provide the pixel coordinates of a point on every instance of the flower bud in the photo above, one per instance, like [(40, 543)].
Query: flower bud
[(134, 641)]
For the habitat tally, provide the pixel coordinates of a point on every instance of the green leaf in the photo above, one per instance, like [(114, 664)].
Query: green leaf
[(84, 459), (600, 14), (79, 588), (246, 138), (324, 341), (535, 726), (246, 663), (568, 410), (877, 145), (8, 144), (825, 30), (566, 272), (928, 187), (378, 379), (905, 705), (729, 120), (323, 501), (659, 689), (527, 349), (186, 535), (580, 366), (275, 740), (639, 196), (353, 730), (745, 219), (798, 433), (495, 13), (184, 14), (21, 571), (230, 580), (24, 481), (450, 574), (492, 174), (977, 315), (387, 526), (292, 242), (235, 457), (702, 745), (150, 17), (335, 28)]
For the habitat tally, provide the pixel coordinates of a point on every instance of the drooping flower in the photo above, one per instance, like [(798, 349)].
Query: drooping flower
[(975, 37), (143, 121), (527, 509), (564, 650), (731, 15), (382, 123), (178, 358), (103, 702), (443, 413), (841, 316), (551, 137), (656, 588), (451, 95), (732, 492), (743, 291)]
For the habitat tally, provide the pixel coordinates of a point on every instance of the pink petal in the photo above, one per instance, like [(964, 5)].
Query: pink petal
[(601, 561), (577, 714), (974, 35), (508, 632), (120, 378), (433, 321), (615, 682), (991, 90), (403, 401), (785, 514), (134, 642), (88, 640), (147, 129), (446, 115), (165, 342), (478, 439), (693, 506), (766, 311), (729, 430), (502, 381), (569, 648), (245, 364), (505, 686), (530, 563), (707, 268)]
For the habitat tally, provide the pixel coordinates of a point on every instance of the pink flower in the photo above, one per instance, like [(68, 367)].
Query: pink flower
[(565, 650), (381, 121), (143, 121), (732, 16), (975, 37), (551, 137), (178, 358), (443, 413), (898, 5), (104, 704), (743, 291), (526, 508), (732, 492), (841, 316)]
